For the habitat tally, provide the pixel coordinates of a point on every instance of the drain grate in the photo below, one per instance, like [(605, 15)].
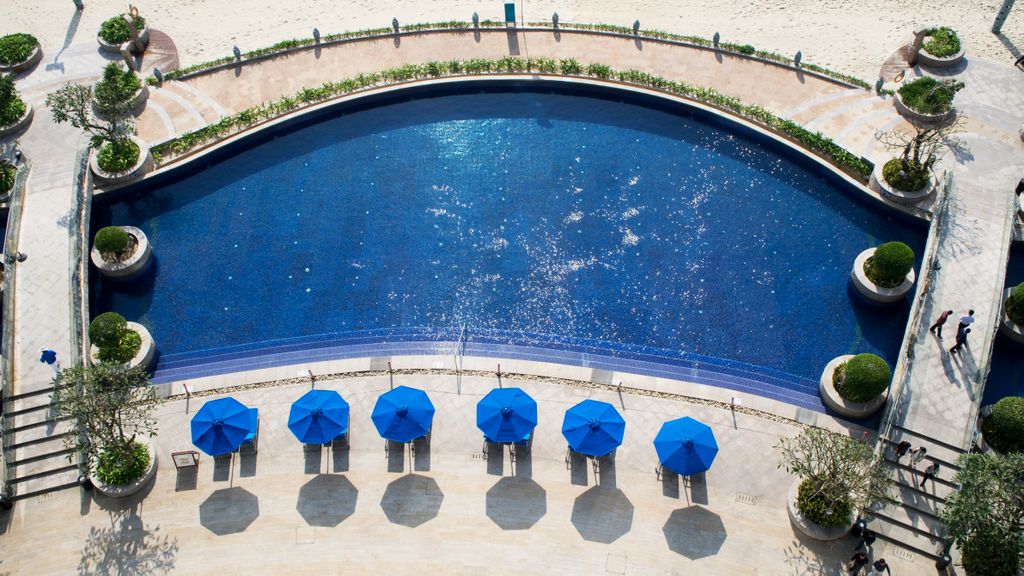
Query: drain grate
[(615, 564), (746, 499), (902, 553)]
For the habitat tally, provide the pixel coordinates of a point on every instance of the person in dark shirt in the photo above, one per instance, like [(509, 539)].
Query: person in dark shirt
[(937, 327)]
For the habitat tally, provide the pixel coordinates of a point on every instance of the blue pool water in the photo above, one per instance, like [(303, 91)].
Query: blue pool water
[(1006, 377), (518, 211)]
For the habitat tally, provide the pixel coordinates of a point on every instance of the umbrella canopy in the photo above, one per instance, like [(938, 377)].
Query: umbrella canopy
[(220, 426), (686, 446), (403, 414), (506, 415), (593, 428), (318, 417)]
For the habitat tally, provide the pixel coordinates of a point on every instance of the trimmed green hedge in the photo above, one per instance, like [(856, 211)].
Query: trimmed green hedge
[(816, 507), (814, 141), (116, 342), (1015, 305), (942, 42), (16, 48), (119, 470), (8, 173), (118, 156), (862, 378), (1004, 427), (926, 95), (115, 30), (111, 240), (905, 180), (889, 265)]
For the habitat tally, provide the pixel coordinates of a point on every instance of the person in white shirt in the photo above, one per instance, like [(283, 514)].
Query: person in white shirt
[(966, 320)]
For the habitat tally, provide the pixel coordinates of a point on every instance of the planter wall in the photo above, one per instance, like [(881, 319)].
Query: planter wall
[(134, 487), (29, 62), (18, 126), (939, 62), (142, 165), (872, 291), (830, 396), (144, 357), (879, 184), (1007, 327), (131, 267), (920, 117), (116, 48), (811, 529)]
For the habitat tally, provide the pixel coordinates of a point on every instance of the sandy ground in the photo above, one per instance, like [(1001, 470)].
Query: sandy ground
[(852, 36)]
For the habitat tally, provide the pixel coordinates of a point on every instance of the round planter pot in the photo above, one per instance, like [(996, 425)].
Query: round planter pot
[(19, 124), (1020, 203), (29, 62), (134, 487), (116, 48), (147, 350), (102, 177), (1007, 327), (879, 183), (830, 396), (939, 62), (141, 95), (131, 267), (812, 529), (874, 292), (920, 117)]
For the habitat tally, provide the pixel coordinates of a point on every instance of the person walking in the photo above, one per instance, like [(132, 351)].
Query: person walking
[(881, 567), (49, 357), (961, 340), (867, 539), (916, 455), (937, 327), (858, 561), (966, 320), (901, 449), (929, 474)]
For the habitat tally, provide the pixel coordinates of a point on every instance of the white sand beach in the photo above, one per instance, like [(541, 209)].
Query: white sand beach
[(852, 36)]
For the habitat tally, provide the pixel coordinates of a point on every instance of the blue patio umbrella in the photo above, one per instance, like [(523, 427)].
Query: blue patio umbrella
[(403, 414), (686, 446), (318, 417), (220, 426), (593, 428), (506, 415)]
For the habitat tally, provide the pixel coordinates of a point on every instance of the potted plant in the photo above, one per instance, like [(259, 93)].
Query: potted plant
[(8, 171), (121, 252), (855, 386), (114, 32), (1013, 314), (119, 91), (926, 99), (941, 48), (907, 178), (19, 52), (119, 155), (884, 274), (113, 407), (15, 113), (983, 516), (1003, 429), (117, 341), (837, 476)]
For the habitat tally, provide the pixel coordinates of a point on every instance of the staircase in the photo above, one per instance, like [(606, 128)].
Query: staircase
[(38, 462)]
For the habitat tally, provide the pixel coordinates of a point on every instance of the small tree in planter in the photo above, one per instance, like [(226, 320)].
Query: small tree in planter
[(889, 265), (115, 30), (74, 104), (1015, 305), (113, 407), (12, 108), (115, 92), (1004, 427), (862, 378), (983, 516), (114, 244), (838, 475), (117, 343), (927, 95), (942, 42), (16, 48), (918, 152)]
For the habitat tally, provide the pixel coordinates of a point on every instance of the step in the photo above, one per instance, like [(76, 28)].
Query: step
[(34, 419), (946, 458), (944, 475), (52, 455), (913, 519), (28, 403), (927, 546), (47, 484), (23, 395), (43, 473), (36, 440), (936, 493), (930, 440)]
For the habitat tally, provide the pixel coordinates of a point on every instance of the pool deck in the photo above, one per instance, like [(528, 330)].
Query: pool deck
[(464, 536)]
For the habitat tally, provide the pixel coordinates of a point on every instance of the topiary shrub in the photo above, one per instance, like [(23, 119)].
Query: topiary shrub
[(116, 90), (118, 156), (1004, 427), (16, 48), (107, 329), (115, 30), (927, 95), (861, 378), (905, 178), (111, 240), (942, 42), (12, 108), (1015, 305), (889, 265), (116, 469), (818, 508)]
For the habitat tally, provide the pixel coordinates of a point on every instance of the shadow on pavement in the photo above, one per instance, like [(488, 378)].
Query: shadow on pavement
[(229, 511), (516, 503), (602, 514), (412, 500), (327, 500)]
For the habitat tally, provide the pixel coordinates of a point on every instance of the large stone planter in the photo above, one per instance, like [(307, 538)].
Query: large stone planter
[(939, 62), (920, 117), (133, 266), (141, 95), (874, 292), (102, 177), (29, 62), (812, 529), (134, 487), (19, 124), (879, 183), (830, 396), (147, 350), (1007, 327), (116, 48)]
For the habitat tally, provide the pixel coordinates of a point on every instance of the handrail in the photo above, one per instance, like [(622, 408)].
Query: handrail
[(78, 260)]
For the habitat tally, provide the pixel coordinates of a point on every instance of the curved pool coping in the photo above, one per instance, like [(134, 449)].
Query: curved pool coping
[(199, 159)]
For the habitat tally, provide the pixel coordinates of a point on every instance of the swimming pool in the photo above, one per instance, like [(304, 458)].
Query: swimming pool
[(520, 210)]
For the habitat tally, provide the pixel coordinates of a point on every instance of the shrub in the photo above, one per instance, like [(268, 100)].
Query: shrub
[(16, 48), (1015, 305), (11, 106), (820, 509), (746, 49), (115, 30), (904, 178), (118, 156), (8, 172), (115, 91), (1004, 427), (990, 556), (943, 42), (107, 329), (862, 378), (124, 350), (117, 469), (111, 240), (889, 266), (927, 95)]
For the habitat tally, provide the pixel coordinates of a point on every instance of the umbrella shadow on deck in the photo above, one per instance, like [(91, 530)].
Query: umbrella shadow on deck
[(694, 532), (327, 500), (127, 547), (516, 503), (229, 511), (412, 500), (602, 514)]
